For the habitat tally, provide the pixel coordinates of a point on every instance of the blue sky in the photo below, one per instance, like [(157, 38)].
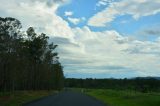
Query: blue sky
[(124, 24), (83, 8), (96, 38)]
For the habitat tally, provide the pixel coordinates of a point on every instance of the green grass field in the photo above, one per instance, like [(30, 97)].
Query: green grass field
[(20, 97), (125, 98)]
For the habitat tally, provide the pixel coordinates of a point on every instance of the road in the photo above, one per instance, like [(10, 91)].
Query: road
[(67, 98)]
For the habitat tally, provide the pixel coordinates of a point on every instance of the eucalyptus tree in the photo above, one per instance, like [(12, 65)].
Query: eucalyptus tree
[(9, 41), (27, 60)]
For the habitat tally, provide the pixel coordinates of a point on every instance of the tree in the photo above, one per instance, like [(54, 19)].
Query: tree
[(58, 76), (27, 61), (9, 40)]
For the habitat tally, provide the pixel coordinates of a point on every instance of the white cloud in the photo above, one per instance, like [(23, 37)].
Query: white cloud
[(135, 8), (153, 30), (104, 2), (105, 52), (109, 52), (39, 14), (101, 3), (92, 52), (76, 20), (68, 13)]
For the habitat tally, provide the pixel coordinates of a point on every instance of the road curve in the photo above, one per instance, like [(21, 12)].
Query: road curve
[(67, 98)]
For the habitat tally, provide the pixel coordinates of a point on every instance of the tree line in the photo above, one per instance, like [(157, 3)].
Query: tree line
[(136, 84), (27, 60)]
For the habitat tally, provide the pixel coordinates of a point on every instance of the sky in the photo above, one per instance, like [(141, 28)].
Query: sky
[(96, 38)]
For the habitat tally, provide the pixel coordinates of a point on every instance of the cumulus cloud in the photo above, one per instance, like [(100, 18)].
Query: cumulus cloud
[(82, 50), (135, 8), (150, 31), (104, 2), (68, 13), (145, 47), (76, 20), (39, 14), (109, 52)]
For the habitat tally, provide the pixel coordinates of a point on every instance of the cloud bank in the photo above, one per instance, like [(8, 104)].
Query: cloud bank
[(87, 53)]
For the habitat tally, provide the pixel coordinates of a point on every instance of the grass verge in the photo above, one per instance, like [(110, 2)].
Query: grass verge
[(20, 97), (125, 98)]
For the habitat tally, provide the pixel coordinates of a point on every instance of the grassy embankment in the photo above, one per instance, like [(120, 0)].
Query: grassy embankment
[(125, 98), (20, 97)]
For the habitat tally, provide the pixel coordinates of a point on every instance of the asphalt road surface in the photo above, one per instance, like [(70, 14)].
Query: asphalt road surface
[(67, 98)]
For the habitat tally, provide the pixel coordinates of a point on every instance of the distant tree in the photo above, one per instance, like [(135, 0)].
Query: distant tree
[(137, 84)]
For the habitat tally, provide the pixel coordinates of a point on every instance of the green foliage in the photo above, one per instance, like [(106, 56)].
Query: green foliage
[(18, 98), (27, 61), (137, 84), (125, 97)]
